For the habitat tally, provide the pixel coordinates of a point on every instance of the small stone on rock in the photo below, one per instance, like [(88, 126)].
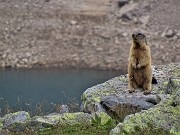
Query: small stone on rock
[(73, 22), (170, 33), (122, 2)]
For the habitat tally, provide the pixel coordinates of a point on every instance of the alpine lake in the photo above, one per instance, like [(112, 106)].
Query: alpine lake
[(42, 90)]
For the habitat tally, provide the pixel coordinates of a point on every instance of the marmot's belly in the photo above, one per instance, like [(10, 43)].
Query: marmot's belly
[(139, 76)]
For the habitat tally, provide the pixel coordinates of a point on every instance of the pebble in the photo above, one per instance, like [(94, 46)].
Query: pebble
[(121, 3), (73, 22), (170, 33)]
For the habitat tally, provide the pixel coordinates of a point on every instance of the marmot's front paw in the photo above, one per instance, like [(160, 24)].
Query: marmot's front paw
[(138, 66)]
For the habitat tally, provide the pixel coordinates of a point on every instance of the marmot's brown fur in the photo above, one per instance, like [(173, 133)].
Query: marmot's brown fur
[(139, 68)]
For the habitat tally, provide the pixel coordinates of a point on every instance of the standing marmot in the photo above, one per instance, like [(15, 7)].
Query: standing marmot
[(139, 68)]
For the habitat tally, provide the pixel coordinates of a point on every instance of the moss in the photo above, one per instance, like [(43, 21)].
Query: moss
[(141, 123), (1, 122), (97, 99), (16, 114), (174, 132), (123, 78), (1, 126), (165, 84), (175, 72)]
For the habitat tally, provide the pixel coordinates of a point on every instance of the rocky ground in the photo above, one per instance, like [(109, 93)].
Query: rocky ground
[(85, 33)]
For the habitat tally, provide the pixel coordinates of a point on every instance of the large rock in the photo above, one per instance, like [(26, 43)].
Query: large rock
[(162, 119), (68, 119), (126, 12), (113, 97), (118, 87), (92, 96), (124, 104), (62, 119)]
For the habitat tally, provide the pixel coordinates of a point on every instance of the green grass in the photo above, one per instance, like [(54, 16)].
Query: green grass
[(72, 130), (77, 130), (95, 128)]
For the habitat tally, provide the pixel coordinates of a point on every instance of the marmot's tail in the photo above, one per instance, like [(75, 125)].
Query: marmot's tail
[(154, 80)]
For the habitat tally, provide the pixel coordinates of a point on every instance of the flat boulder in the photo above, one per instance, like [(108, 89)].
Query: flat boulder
[(125, 104)]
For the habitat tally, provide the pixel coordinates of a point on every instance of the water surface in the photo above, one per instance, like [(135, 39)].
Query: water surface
[(19, 87)]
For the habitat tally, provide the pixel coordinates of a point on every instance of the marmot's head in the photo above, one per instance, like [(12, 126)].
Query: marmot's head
[(139, 39)]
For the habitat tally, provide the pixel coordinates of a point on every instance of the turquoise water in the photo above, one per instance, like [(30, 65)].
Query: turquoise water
[(19, 88)]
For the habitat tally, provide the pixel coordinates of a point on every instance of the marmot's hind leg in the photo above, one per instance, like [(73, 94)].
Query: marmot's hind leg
[(147, 87), (132, 85)]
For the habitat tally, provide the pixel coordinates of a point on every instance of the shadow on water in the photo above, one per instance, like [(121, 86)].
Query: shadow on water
[(30, 89)]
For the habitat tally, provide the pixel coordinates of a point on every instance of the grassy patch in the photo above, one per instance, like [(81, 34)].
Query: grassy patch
[(72, 130), (78, 130)]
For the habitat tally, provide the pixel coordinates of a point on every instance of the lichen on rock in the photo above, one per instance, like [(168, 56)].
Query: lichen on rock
[(1, 124), (15, 121), (163, 118), (20, 121), (69, 118), (158, 112)]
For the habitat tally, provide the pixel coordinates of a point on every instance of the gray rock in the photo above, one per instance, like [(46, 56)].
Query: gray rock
[(92, 108), (20, 121), (28, 54), (127, 16), (170, 33), (61, 108), (126, 11), (13, 118), (162, 119), (123, 105), (121, 3), (73, 22), (64, 109), (40, 122), (15, 121), (118, 87), (144, 20)]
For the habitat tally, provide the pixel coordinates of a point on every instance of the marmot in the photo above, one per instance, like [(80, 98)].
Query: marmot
[(139, 68)]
